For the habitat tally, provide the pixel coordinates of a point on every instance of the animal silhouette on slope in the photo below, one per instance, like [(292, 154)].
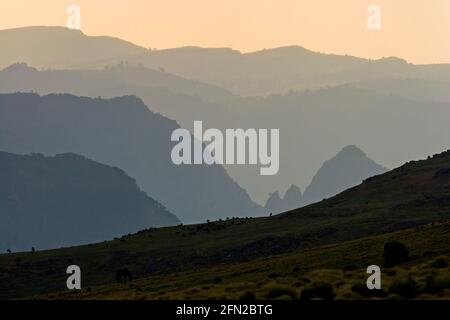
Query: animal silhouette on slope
[(123, 275)]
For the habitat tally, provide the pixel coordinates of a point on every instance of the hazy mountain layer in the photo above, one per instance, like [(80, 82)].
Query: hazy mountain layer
[(267, 71), (345, 170), (59, 47), (292, 199), (50, 202), (314, 125), (122, 132)]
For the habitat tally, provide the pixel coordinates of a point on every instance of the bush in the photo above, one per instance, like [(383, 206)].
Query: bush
[(280, 291), (363, 291), (350, 267), (440, 262), (436, 284), (395, 253), (404, 286), (319, 290), (248, 296)]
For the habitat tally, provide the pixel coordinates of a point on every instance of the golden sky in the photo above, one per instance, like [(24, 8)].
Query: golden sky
[(417, 30)]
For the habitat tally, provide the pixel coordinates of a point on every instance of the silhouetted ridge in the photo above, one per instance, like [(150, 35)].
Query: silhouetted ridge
[(347, 169), (292, 199), (50, 202), (122, 132)]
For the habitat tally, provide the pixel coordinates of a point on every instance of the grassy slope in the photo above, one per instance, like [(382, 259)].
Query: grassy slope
[(414, 194), (287, 275)]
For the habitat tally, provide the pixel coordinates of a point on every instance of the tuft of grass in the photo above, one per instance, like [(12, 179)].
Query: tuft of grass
[(436, 284), (278, 291), (404, 286), (247, 296), (318, 290), (440, 262)]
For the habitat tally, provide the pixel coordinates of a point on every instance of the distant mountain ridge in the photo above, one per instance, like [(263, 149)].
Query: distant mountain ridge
[(292, 199), (276, 70), (345, 170), (59, 47), (124, 133), (314, 124), (65, 200)]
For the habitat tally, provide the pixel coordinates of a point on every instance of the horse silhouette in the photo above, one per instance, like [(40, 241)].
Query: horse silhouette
[(123, 275)]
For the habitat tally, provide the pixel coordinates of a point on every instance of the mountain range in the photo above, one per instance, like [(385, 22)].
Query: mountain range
[(314, 125), (262, 72), (345, 170), (330, 242), (121, 132), (85, 160), (66, 200), (374, 104)]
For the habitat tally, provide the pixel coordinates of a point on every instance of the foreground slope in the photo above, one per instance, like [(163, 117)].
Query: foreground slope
[(50, 202), (337, 271), (415, 194)]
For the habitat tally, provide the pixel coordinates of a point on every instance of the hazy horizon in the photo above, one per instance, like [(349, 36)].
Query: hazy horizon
[(408, 30)]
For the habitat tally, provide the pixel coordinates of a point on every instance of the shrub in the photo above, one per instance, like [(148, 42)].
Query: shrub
[(363, 291), (394, 296), (395, 253), (404, 286), (436, 284), (247, 296), (440, 262), (350, 267), (296, 270), (280, 291), (427, 253), (319, 290)]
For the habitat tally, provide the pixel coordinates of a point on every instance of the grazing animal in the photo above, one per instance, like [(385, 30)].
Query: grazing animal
[(123, 275), (395, 253)]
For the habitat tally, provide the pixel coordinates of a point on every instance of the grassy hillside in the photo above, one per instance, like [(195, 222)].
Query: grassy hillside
[(259, 251), (293, 275)]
